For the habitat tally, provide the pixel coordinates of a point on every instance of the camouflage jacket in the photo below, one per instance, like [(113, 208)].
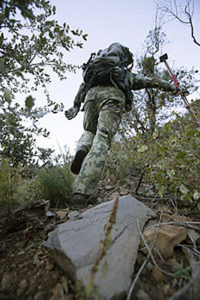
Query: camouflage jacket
[(135, 82)]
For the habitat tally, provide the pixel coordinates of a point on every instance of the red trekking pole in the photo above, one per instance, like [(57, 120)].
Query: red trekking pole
[(164, 58)]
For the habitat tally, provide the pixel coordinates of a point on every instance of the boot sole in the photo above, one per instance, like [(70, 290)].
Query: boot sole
[(77, 162)]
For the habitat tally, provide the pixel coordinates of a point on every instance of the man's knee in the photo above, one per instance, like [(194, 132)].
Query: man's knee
[(103, 138)]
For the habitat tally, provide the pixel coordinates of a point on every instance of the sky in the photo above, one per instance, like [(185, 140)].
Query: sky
[(105, 22)]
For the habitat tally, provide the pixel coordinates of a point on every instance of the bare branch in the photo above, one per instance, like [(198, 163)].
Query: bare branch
[(191, 27), (183, 15)]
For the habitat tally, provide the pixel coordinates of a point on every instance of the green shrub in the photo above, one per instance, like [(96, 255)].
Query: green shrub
[(121, 160), (175, 165), (55, 184), (170, 159), (9, 180), (26, 191)]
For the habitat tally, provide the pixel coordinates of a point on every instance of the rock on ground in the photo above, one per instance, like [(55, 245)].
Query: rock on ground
[(75, 245)]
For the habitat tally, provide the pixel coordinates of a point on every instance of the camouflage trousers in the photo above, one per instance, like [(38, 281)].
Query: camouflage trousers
[(103, 109)]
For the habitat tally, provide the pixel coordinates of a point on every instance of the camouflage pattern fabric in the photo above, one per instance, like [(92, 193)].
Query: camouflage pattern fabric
[(139, 81), (103, 109)]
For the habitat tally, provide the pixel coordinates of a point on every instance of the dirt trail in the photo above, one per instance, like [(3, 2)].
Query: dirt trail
[(28, 271)]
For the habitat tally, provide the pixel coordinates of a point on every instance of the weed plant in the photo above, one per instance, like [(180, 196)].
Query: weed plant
[(169, 159), (55, 184)]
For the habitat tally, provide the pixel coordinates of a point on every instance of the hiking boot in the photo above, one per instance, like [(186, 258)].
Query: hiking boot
[(80, 200), (78, 159)]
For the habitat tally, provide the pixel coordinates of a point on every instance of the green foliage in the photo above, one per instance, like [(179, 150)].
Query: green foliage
[(182, 272), (52, 183), (6, 189), (149, 108), (18, 132), (176, 160), (170, 159), (55, 184), (31, 42), (32, 45), (9, 180), (26, 191)]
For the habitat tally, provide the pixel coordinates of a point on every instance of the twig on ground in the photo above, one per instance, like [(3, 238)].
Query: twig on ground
[(193, 242), (194, 252), (174, 203), (139, 182)]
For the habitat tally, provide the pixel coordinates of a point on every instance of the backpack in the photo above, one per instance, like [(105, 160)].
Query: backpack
[(109, 67)]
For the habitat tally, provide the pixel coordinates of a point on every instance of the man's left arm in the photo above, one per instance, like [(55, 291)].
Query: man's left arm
[(139, 81), (73, 111)]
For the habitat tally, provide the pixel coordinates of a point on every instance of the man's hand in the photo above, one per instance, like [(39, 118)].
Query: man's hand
[(71, 112), (180, 91), (183, 92)]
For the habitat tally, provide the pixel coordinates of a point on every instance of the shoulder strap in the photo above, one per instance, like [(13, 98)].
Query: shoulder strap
[(85, 65)]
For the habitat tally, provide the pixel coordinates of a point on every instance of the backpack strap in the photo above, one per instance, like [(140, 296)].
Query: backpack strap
[(85, 65)]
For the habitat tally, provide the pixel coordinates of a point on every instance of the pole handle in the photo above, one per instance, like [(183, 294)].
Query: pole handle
[(175, 81)]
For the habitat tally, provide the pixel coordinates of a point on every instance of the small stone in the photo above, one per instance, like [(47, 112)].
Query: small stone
[(37, 256), (23, 284), (165, 209), (172, 262), (160, 296), (149, 266), (50, 214), (168, 237), (124, 192), (32, 245), (174, 283), (65, 284), (22, 287), (108, 187), (58, 293), (54, 276), (49, 266), (166, 218), (166, 288), (6, 282), (142, 295), (157, 275), (21, 253), (73, 214), (19, 244), (36, 260), (39, 296), (62, 213)]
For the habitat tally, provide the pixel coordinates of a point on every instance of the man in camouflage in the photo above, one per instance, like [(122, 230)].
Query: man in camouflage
[(103, 109)]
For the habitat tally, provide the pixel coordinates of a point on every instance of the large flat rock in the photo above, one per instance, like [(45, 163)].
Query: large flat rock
[(75, 245)]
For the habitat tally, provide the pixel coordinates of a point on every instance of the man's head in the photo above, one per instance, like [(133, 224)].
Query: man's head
[(126, 52)]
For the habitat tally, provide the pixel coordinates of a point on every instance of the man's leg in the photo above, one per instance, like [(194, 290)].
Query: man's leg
[(90, 173), (86, 140), (82, 149)]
